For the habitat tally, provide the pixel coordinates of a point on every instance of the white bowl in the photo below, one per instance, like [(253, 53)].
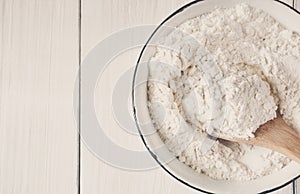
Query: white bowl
[(283, 13)]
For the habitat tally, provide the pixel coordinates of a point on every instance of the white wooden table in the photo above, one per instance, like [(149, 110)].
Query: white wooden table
[(41, 45)]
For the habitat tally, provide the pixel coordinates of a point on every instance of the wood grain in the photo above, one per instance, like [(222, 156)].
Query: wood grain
[(96, 176), (278, 136), (100, 19), (275, 135), (38, 63)]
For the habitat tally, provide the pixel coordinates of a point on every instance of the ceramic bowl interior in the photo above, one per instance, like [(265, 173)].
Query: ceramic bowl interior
[(286, 16)]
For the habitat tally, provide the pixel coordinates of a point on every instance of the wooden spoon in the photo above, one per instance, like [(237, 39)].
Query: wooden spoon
[(275, 135)]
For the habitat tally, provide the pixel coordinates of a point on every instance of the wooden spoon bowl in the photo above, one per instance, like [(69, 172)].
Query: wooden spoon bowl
[(275, 135)]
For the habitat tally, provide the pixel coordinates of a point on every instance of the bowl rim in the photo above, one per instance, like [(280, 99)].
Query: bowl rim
[(153, 155)]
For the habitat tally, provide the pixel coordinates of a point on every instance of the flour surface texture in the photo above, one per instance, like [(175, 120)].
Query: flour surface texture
[(228, 72)]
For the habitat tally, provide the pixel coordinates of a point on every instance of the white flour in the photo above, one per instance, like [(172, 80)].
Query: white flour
[(232, 79)]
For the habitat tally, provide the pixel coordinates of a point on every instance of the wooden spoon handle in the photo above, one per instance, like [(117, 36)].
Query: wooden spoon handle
[(278, 136)]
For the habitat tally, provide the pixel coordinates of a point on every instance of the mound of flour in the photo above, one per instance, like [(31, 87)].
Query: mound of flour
[(228, 72)]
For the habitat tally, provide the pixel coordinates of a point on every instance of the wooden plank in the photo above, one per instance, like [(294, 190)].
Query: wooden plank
[(38, 63), (285, 190), (99, 20), (96, 176), (289, 2)]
